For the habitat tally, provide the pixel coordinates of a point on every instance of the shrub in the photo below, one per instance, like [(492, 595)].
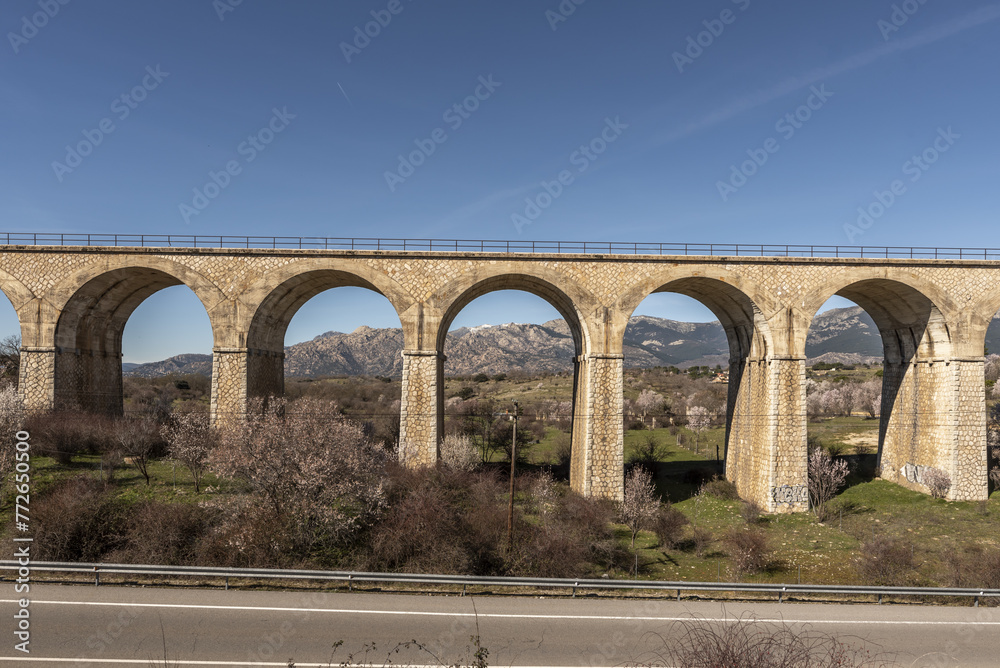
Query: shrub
[(669, 525), (885, 561), (937, 481), (701, 539), (647, 454), (748, 551), (163, 533), (563, 449), (745, 643), (826, 476), (77, 520), (721, 488), (750, 512)]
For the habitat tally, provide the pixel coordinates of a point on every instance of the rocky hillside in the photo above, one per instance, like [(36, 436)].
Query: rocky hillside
[(840, 335)]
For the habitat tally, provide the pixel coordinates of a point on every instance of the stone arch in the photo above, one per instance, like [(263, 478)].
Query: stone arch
[(93, 306), (596, 432), (278, 300), (559, 297), (919, 424), (910, 320), (751, 428), (271, 302)]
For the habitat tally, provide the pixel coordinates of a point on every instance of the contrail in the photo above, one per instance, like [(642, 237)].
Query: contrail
[(792, 84), (345, 95)]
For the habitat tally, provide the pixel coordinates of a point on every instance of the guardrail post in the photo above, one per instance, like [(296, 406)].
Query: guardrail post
[(880, 599), (97, 577), (227, 584), (574, 589), (781, 594), (678, 595), (350, 584)]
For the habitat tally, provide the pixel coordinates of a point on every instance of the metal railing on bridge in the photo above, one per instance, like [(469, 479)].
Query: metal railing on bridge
[(350, 577), (494, 246)]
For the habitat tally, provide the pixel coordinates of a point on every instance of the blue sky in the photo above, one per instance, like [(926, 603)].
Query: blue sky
[(684, 93)]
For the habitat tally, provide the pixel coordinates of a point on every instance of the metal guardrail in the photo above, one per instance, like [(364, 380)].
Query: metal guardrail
[(494, 246), (351, 577)]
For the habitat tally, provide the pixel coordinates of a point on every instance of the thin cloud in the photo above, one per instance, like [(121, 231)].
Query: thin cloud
[(857, 61)]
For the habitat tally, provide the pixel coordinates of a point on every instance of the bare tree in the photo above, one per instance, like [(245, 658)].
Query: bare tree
[(640, 504), (137, 440), (190, 440), (699, 419), (10, 359), (826, 476)]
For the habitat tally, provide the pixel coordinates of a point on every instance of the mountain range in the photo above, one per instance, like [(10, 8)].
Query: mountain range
[(845, 335)]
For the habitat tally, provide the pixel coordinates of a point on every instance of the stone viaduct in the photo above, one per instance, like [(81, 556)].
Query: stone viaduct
[(73, 303)]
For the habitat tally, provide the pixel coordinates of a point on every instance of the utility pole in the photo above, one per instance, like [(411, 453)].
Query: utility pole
[(513, 460)]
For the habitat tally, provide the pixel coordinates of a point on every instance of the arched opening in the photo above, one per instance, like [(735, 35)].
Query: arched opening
[(89, 336), (167, 354), (10, 343), (844, 377), (332, 335), (515, 338), (915, 425), (709, 391)]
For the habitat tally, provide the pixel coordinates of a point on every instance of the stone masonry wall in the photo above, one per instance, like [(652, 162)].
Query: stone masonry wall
[(37, 378), (420, 416), (605, 430)]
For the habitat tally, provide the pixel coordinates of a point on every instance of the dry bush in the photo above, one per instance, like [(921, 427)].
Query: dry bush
[(720, 488), (974, 566), (745, 643), (163, 533), (749, 551), (750, 512), (63, 434), (250, 535), (701, 539), (669, 524), (885, 561), (563, 449), (77, 520), (937, 481)]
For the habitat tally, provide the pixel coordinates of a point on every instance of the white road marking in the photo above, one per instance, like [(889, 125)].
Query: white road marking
[(500, 615)]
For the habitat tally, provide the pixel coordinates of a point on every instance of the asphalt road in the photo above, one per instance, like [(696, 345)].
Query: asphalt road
[(134, 626)]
